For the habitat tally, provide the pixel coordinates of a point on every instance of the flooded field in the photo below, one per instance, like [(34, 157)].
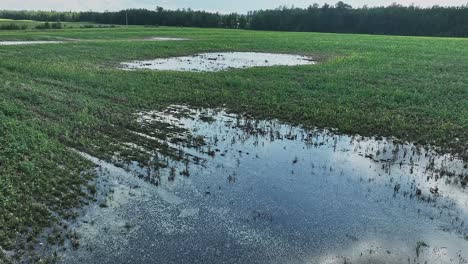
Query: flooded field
[(13, 43), (224, 188), (212, 62)]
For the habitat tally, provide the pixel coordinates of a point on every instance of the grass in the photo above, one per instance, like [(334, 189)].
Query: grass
[(27, 23), (72, 95)]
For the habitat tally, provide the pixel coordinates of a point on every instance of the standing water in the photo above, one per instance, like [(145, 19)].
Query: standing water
[(258, 191), (15, 43), (213, 62), (166, 39)]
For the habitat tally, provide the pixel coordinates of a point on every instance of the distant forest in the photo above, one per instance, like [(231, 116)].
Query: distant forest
[(338, 18)]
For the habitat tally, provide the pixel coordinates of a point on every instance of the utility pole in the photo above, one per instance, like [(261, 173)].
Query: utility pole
[(126, 18)]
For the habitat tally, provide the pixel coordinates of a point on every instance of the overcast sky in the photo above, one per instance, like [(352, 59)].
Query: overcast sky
[(241, 6)]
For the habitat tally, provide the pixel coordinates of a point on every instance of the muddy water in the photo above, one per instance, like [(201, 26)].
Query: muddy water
[(14, 43), (266, 192), (212, 62)]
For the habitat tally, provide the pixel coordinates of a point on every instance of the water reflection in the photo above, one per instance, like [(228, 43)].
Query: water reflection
[(238, 190)]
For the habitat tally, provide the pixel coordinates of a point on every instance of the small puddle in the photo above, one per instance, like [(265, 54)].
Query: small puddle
[(213, 62), (13, 43), (166, 39), (260, 191)]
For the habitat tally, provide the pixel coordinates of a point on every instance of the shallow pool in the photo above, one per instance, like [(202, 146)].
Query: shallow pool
[(13, 43), (260, 191), (213, 62)]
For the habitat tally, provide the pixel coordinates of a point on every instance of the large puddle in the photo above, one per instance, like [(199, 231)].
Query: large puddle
[(255, 191), (212, 62), (14, 43)]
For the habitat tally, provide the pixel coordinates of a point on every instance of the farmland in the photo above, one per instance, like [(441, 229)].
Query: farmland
[(74, 95)]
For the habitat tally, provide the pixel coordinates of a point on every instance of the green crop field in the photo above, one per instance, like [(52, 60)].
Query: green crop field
[(73, 95)]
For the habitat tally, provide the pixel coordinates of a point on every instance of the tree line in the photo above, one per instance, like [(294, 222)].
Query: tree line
[(339, 18)]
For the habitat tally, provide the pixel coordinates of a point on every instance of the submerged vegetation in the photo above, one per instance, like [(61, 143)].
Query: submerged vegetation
[(242, 194), (74, 95), (419, 247)]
